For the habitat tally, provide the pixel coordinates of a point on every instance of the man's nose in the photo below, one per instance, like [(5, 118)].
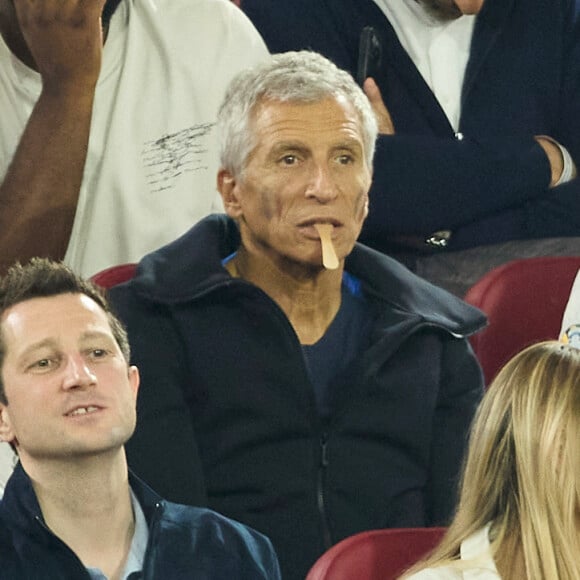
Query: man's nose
[(321, 185), (77, 373)]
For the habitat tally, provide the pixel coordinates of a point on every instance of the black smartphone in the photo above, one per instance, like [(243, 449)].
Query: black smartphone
[(370, 54)]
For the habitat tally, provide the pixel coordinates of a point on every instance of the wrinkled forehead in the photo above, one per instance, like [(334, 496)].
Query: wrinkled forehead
[(332, 110)]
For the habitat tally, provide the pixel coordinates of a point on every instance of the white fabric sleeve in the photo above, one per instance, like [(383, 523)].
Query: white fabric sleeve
[(572, 312)]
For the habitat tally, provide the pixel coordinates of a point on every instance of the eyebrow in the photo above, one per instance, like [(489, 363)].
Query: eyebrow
[(45, 343), (52, 343), (92, 334), (350, 145), (283, 146)]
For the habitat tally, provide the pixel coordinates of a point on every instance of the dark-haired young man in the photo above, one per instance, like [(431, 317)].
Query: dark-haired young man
[(67, 404)]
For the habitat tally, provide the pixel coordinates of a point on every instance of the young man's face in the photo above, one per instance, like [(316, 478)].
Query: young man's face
[(69, 389), (309, 167)]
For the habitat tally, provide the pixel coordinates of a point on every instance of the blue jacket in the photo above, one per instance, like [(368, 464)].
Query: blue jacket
[(522, 79), (227, 412), (184, 542)]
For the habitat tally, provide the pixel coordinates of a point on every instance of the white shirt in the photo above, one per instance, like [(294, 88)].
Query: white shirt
[(475, 555), (570, 331), (439, 50), (7, 463)]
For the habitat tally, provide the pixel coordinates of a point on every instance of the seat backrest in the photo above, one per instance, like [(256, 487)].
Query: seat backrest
[(524, 301), (114, 275), (375, 555)]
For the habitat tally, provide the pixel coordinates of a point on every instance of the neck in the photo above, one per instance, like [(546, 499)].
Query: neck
[(80, 499), (309, 297)]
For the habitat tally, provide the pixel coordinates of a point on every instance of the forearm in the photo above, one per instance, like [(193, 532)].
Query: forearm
[(63, 41), (39, 194)]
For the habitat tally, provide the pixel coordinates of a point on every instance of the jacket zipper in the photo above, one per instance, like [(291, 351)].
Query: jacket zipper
[(153, 527), (321, 496)]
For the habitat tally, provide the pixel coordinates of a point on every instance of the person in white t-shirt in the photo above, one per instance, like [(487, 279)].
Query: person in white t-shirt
[(107, 140), (519, 506)]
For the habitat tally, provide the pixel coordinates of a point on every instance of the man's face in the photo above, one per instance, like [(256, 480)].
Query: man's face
[(308, 167), (70, 392)]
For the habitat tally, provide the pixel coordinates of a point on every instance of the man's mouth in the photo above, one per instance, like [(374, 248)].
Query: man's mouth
[(83, 411), (322, 220)]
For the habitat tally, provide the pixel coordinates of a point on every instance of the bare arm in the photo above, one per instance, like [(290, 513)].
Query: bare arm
[(39, 194)]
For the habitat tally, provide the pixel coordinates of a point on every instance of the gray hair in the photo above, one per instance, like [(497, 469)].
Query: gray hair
[(303, 77)]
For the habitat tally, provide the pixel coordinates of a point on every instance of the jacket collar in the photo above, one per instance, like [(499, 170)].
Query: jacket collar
[(20, 508), (191, 266), (489, 24)]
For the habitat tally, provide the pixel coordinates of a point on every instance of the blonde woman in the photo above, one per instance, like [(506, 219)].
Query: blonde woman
[(518, 516)]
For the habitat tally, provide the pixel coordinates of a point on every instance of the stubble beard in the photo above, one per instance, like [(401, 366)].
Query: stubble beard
[(443, 10)]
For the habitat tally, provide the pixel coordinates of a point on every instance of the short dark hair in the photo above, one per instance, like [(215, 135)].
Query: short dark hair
[(43, 278)]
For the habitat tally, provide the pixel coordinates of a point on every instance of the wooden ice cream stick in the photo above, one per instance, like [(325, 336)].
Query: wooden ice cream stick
[(329, 257)]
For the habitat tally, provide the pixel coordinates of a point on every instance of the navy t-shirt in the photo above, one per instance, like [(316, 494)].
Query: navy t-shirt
[(347, 336)]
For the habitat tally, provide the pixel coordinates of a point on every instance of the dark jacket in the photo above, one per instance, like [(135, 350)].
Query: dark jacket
[(225, 396), (184, 542), (522, 79)]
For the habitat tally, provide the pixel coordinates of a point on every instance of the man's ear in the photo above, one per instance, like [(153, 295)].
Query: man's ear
[(227, 186), (6, 432), (134, 380), (367, 197)]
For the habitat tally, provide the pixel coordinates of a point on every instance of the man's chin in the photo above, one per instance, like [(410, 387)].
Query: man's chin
[(442, 10)]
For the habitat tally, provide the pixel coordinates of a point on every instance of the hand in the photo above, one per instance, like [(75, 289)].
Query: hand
[(555, 158), (372, 91), (65, 39)]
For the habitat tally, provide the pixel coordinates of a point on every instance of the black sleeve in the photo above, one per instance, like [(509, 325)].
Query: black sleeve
[(461, 390)]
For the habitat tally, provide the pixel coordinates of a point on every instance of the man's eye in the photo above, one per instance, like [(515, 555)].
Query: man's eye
[(42, 364), (98, 352), (345, 159), (289, 159)]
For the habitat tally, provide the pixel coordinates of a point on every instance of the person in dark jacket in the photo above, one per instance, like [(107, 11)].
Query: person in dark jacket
[(465, 175), (293, 379), (71, 510)]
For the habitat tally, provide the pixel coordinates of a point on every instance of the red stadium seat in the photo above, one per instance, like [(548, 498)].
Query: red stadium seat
[(524, 301), (375, 555), (114, 275)]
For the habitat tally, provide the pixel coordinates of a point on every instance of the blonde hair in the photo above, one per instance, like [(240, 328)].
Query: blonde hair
[(522, 471)]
